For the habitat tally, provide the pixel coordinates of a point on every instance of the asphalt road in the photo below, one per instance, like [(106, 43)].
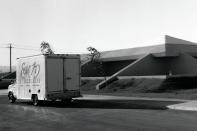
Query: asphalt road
[(95, 115)]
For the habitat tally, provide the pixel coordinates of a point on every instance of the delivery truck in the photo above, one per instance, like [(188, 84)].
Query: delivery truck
[(46, 77)]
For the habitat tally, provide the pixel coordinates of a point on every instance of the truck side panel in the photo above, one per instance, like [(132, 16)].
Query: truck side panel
[(31, 77)]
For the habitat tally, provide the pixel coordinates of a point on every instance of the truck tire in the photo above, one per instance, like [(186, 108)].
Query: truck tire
[(35, 100), (11, 97)]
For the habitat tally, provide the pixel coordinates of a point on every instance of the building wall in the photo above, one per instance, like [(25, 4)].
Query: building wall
[(176, 49), (97, 69), (91, 69), (114, 66), (183, 65), (148, 66)]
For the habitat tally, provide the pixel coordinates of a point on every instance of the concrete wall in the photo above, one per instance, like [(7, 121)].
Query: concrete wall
[(98, 69), (114, 66), (176, 49), (184, 64), (148, 66), (91, 70)]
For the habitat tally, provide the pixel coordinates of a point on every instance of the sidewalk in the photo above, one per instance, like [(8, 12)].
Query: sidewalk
[(109, 97), (188, 106), (3, 92), (185, 105)]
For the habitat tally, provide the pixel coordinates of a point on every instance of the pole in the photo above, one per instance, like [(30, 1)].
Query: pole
[(10, 57)]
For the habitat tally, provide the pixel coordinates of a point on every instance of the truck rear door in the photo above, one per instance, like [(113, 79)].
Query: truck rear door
[(55, 75), (71, 74)]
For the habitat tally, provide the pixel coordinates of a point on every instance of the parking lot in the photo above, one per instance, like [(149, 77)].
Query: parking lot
[(95, 113)]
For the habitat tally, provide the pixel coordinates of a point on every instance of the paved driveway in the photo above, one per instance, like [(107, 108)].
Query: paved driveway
[(97, 114)]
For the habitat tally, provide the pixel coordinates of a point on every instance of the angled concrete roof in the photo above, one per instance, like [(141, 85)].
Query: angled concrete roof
[(173, 40), (131, 53), (171, 47), (174, 46)]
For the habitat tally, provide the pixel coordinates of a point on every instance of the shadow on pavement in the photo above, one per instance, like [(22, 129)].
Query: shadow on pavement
[(109, 104), (99, 104)]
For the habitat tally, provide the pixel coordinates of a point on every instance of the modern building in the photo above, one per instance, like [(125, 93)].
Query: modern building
[(174, 57)]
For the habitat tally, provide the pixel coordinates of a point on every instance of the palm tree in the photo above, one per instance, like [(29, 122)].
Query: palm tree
[(46, 48), (94, 53), (94, 56)]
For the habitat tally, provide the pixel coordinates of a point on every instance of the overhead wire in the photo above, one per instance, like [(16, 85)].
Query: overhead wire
[(34, 48), (26, 49), (26, 46), (17, 46)]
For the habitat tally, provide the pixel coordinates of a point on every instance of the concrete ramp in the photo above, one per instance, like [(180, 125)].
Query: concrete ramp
[(114, 76)]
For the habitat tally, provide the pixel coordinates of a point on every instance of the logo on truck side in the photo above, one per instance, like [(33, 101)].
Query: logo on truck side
[(29, 73)]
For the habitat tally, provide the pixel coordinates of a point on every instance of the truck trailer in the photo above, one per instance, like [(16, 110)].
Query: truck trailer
[(46, 77)]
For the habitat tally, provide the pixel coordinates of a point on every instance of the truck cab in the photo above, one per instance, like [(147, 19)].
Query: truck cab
[(12, 91)]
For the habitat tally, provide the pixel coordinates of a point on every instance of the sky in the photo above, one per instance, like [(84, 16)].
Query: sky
[(70, 26)]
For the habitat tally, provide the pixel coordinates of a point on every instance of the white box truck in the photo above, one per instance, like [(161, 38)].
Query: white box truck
[(46, 77)]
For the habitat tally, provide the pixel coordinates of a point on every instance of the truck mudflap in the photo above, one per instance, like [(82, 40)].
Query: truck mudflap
[(64, 95)]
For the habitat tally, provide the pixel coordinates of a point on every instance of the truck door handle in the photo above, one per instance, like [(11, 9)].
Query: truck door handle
[(68, 78)]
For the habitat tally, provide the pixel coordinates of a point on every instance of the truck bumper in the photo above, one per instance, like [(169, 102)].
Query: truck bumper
[(64, 95)]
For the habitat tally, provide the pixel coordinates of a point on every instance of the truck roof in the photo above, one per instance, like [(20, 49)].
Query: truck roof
[(55, 55)]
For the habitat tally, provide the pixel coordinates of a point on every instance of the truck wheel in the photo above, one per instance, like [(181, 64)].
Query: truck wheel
[(11, 97), (35, 100)]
